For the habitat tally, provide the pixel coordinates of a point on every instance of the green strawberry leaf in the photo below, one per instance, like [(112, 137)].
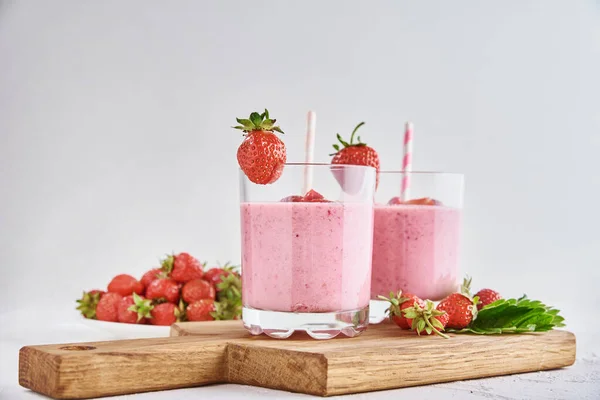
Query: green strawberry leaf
[(256, 118), (514, 316), (267, 124), (243, 121)]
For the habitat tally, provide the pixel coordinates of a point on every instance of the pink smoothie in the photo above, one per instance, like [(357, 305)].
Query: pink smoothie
[(306, 257), (415, 248)]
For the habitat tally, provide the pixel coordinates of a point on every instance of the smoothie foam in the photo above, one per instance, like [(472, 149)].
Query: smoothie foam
[(306, 257), (415, 249)]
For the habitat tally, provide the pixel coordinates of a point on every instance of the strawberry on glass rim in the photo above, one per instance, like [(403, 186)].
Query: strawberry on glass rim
[(262, 154), (355, 153)]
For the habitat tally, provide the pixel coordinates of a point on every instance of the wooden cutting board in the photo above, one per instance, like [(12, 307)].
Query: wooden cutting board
[(200, 353)]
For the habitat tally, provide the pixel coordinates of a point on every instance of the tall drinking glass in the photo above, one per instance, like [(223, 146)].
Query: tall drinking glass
[(416, 239), (306, 260)]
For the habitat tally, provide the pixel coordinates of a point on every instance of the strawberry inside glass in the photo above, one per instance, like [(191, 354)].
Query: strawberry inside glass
[(310, 197)]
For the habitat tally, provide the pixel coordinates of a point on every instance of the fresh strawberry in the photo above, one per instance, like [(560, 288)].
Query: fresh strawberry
[(261, 155), (125, 285), (201, 310), (182, 267), (460, 308), (165, 289), (399, 302), (88, 302), (217, 274), (166, 314), (487, 296), (134, 309), (108, 307), (153, 274), (426, 319), (355, 153), (197, 289)]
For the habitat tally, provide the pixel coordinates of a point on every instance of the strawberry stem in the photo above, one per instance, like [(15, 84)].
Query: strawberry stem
[(354, 131), (346, 144)]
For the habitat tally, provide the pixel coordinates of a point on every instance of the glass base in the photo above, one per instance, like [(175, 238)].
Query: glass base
[(281, 325), (378, 312)]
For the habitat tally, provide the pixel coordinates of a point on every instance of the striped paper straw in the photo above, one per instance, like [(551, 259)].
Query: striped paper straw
[(407, 161), (309, 151)]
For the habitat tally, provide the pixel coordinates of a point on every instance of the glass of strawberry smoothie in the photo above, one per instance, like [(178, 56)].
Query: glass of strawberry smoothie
[(416, 240), (306, 253)]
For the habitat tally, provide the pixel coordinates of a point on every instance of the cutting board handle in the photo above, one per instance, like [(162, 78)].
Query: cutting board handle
[(86, 370)]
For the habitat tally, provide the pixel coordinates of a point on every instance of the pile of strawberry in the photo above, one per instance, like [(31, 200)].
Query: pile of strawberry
[(456, 311), (181, 290)]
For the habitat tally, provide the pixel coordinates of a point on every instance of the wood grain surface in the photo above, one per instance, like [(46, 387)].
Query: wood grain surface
[(200, 353)]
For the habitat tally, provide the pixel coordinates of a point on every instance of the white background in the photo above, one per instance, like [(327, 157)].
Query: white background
[(115, 145)]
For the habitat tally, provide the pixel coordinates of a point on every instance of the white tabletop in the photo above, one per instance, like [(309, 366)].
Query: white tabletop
[(581, 381)]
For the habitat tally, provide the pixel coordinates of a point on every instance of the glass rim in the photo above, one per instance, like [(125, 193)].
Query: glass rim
[(421, 172), (389, 171), (323, 164)]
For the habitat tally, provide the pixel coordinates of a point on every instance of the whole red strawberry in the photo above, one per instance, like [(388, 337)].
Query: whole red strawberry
[(201, 310), (134, 309), (460, 308), (166, 314), (153, 274), (427, 319), (125, 285), (217, 274), (487, 296), (261, 155), (355, 153), (108, 307), (198, 289), (88, 303), (399, 302), (182, 267), (163, 289)]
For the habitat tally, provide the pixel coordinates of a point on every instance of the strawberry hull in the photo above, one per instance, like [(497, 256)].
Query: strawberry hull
[(306, 257)]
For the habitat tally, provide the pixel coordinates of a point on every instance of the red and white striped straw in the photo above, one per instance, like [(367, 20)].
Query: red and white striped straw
[(309, 150), (407, 161)]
